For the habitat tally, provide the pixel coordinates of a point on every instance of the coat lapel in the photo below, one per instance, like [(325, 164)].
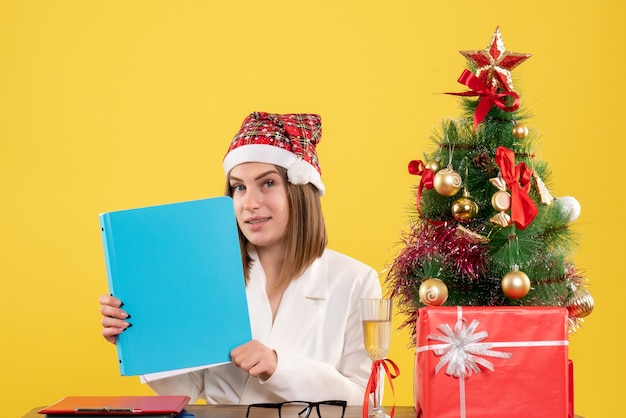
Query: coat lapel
[(300, 305)]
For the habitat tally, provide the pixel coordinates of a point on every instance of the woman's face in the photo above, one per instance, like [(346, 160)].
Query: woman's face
[(261, 206)]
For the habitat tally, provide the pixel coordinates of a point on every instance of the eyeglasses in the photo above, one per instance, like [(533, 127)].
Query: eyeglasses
[(300, 409)]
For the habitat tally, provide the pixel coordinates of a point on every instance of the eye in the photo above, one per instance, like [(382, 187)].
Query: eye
[(268, 183), (237, 188)]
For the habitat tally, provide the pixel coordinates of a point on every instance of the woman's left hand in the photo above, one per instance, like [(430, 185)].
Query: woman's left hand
[(255, 358)]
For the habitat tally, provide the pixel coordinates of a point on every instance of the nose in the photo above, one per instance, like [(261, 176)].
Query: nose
[(251, 199)]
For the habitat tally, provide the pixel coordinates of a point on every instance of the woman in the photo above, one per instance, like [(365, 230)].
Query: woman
[(303, 299)]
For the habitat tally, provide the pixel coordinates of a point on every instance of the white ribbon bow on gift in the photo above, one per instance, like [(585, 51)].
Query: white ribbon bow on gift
[(462, 348)]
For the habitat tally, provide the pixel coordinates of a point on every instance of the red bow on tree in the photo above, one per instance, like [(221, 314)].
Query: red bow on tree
[(517, 178), (417, 168), (489, 96)]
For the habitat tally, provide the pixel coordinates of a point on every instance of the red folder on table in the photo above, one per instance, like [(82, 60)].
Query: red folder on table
[(117, 406)]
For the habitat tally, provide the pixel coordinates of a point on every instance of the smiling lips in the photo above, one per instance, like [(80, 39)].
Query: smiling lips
[(256, 223)]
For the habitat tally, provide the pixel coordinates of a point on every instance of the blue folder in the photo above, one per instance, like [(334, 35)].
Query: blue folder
[(177, 269)]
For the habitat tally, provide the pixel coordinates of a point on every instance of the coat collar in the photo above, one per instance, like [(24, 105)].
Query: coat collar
[(312, 283)]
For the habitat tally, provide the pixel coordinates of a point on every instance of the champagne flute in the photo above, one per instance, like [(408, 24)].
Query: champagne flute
[(376, 317)]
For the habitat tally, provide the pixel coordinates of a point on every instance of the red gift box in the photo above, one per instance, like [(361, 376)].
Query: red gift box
[(570, 389), (492, 362)]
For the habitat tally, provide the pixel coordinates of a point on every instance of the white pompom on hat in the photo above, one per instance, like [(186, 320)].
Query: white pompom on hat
[(288, 141)]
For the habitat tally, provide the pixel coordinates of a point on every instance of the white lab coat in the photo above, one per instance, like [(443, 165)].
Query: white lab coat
[(317, 335)]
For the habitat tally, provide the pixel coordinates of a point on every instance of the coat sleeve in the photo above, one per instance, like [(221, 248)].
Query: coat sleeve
[(297, 374)]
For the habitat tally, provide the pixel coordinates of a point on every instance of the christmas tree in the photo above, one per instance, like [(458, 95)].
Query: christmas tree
[(485, 229)]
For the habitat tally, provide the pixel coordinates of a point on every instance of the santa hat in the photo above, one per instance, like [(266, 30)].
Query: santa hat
[(285, 140)]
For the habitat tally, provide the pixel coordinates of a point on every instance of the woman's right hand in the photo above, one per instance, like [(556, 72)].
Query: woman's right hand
[(114, 319)]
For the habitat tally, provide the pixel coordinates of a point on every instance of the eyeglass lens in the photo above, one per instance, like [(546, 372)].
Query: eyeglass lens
[(297, 410)]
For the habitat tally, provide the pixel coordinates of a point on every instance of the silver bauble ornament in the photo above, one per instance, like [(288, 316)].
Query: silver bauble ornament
[(570, 206)]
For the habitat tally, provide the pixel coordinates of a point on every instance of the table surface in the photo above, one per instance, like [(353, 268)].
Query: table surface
[(239, 411)]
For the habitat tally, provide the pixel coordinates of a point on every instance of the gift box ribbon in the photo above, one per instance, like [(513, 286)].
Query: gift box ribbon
[(462, 348)]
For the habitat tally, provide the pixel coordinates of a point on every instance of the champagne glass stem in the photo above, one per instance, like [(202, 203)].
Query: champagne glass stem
[(378, 394)]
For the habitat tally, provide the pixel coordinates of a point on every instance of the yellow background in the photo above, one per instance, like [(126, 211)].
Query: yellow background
[(108, 105)]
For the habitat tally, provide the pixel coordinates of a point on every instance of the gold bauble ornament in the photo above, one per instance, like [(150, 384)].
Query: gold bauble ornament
[(432, 166), (580, 304), (433, 292), (515, 284), (464, 208), (447, 182), (520, 131)]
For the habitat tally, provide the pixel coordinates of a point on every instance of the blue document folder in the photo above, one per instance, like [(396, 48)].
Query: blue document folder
[(177, 269)]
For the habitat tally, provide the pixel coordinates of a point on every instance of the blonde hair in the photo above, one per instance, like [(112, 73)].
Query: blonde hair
[(305, 238)]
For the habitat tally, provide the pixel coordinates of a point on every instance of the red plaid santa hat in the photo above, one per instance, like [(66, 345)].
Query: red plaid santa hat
[(285, 140)]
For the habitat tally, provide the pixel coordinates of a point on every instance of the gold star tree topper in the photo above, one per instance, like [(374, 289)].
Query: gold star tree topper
[(494, 63)]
